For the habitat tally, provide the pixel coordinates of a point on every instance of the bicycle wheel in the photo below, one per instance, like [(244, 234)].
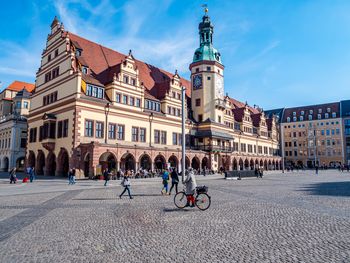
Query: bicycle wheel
[(203, 201), (180, 200)]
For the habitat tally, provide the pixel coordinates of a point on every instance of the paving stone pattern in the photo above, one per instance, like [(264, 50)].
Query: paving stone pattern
[(280, 218)]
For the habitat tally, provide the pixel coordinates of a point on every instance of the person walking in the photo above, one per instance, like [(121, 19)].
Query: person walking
[(165, 178), (70, 177), (106, 175), (126, 183), (32, 174), (13, 177), (191, 185), (174, 180), (316, 168)]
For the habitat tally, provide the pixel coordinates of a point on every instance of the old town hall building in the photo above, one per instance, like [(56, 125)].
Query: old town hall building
[(94, 107)]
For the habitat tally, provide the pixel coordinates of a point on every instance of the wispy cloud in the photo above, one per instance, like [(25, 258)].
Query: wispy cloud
[(169, 51)]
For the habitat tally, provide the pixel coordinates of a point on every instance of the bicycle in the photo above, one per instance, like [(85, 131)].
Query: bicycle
[(202, 199)]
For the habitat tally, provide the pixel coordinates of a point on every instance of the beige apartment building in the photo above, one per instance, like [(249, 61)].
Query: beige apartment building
[(14, 109), (94, 107), (312, 135)]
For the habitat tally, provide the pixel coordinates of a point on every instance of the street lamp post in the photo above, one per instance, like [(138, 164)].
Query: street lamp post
[(106, 126), (183, 118)]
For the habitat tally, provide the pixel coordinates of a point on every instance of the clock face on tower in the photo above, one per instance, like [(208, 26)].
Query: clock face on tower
[(219, 87), (197, 82)]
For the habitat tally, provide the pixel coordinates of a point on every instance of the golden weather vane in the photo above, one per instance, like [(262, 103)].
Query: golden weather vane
[(205, 6)]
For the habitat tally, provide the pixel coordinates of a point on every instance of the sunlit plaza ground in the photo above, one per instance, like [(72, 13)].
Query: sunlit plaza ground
[(291, 217)]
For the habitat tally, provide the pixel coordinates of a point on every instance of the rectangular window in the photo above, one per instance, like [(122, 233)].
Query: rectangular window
[(23, 142), (126, 79), (142, 134), (25, 104), (89, 125), (174, 138), (132, 101), (49, 58), (198, 102), (59, 129), (99, 129), (65, 128), (134, 134), (55, 72), (88, 90), (117, 97), (111, 131), (243, 147), (163, 137), (156, 136), (56, 52), (138, 103), (133, 82), (125, 99), (32, 135), (169, 110), (121, 132), (48, 76), (208, 68), (200, 118)]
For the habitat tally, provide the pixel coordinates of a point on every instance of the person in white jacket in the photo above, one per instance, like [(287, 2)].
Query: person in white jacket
[(126, 183), (191, 185)]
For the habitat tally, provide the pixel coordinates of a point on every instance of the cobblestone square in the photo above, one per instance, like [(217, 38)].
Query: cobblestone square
[(291, 217)]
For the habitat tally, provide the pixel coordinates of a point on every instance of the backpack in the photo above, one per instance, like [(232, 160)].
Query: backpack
[(165, 176)]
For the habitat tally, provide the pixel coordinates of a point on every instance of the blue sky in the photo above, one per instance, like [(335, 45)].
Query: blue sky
[(276, 53)]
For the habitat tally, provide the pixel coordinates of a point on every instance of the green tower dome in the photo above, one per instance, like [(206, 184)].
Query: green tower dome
[(206, 51)]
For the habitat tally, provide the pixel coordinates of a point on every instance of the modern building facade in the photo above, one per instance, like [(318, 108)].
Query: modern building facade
[(314, 135), (94, 107), (14, 109)]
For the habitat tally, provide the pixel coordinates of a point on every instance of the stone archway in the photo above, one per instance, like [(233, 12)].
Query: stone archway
[(256, 163), (174, 162), (87, 165), (205, 163), (235, 164), (273, 165), (127, 162), (108, 161), (40, 163), (195, 164), (246, 164), (20, 164), (265, 165), (160, 162), (145, 162), (50, 164), (63, 163), (31, 159), (269, 165), (251, 164), (240, 163), (5, 164), (187, 162)]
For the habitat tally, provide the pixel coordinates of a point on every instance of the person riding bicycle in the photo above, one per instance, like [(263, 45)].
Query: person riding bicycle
[(191, 185)]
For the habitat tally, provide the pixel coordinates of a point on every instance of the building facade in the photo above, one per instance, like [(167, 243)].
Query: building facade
[(94, 107), (314, 135), (345, 113), (14, 109)]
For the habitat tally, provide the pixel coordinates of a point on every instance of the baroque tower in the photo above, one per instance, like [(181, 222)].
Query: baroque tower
[(207, 80)]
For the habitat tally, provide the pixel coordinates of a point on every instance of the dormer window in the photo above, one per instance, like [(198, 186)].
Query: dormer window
[(334, 114), (49, 58), (328, 110), (133, 82), (78, 53), (126, 79), (294, 113), (310, 117), (85, 70), (319, 110), (94, 91), (311, 111), (326, 115), (302, 112)]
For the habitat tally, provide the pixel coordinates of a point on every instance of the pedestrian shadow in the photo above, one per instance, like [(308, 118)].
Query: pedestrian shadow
[(328, 188), (93, 199), (170, 210)]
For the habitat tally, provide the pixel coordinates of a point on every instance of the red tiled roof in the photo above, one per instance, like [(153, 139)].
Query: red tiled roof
[(19, 85), (256, 119), (102, 60)]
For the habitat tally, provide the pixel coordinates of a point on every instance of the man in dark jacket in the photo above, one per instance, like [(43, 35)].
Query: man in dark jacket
[(174, 180)]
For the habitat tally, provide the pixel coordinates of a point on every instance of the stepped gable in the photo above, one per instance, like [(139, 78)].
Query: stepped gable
[(101, 60)]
